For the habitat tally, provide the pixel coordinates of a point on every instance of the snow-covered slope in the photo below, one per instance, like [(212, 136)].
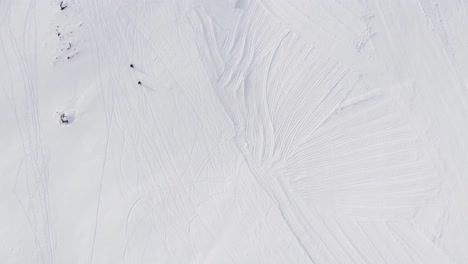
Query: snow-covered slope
[(222, 131)]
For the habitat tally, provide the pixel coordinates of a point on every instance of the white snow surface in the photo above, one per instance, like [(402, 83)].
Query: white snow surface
[(263, 131)]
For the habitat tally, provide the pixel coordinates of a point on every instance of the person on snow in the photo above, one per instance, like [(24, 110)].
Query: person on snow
[(63, 118), (62, 6)]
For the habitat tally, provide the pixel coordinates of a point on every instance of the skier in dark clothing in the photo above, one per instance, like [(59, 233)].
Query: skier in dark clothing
[(62, 7), (63, 118)]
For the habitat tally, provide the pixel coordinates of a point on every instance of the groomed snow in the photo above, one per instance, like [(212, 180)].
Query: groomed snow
[(224, 131)]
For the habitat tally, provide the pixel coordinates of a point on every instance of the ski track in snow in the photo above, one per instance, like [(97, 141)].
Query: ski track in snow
[(261, 131)]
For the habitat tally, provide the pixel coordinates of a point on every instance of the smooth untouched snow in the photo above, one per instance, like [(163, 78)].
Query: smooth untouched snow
[(248, 131)]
